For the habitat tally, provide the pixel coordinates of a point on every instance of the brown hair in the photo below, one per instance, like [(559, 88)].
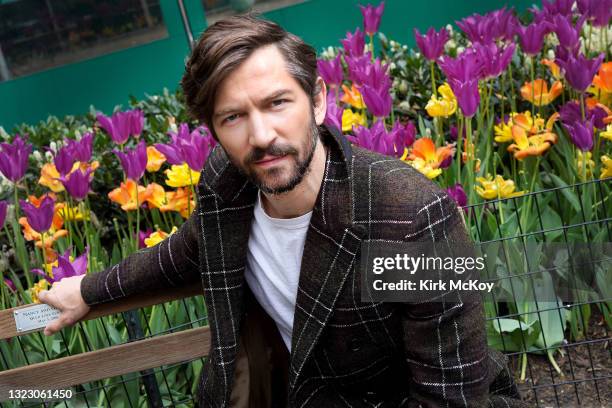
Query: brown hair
[(228, 43)]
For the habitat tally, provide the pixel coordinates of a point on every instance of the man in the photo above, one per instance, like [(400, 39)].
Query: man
[(284, 205)]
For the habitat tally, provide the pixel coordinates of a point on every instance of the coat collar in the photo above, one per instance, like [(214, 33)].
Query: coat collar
[(332, 242)]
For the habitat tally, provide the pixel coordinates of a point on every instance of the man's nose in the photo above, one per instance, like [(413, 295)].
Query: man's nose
[(261, 134)]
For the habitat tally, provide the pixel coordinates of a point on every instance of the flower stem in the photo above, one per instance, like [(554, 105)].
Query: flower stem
[(532, 71), (513, 100), (433, 79)]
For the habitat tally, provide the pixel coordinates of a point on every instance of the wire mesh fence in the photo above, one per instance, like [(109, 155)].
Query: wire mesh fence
[(566, 363), (571, 365)]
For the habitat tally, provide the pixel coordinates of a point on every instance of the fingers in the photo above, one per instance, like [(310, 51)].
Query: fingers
[(48, 297)]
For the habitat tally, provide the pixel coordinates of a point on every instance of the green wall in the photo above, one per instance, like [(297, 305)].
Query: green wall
[(108, 80)]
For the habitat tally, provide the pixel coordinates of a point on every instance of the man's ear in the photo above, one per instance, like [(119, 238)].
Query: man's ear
[(320, 101)]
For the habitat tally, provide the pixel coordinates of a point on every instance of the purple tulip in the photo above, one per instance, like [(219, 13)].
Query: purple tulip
[(77, 183), (579, 70), (477, 28), (467, 95), (571, 113), (458, 194), (197, 147), (567, 33), (466, 66), (333, 115), (375, 138), (3, 208), (403, 136), (82, 149), (10, 284), (598, 11), (191, 148), (122, 124), (532, 36), (358, 67), (14, 158), (558, 7), (432, 43), (505, 24), (63, 160), (65, 268), (377, 99), (331, 71), (137, 122), (371, 17), (39, 218), (581, 134), (134, 161), (494, 60), (354, 43)]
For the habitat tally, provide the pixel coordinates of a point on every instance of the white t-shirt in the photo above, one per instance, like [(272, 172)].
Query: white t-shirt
[(274, 258)]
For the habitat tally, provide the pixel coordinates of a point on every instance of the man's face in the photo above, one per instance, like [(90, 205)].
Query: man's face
[(266, 123)]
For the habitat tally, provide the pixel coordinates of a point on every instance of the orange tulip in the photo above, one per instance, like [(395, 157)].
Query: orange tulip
[(554, 68), (352, 97), (156, 196), (603, 79), (126, 195), (532, 140), (425, 149), (155, 159), (538, 89), (177, 201)]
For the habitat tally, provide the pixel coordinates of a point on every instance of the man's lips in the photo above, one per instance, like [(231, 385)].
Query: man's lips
[(269, 160)]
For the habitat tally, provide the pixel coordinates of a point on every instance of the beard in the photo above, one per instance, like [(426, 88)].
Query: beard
[(278, 180)]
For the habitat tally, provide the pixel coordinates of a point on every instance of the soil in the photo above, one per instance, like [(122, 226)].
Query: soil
[(587, 369)]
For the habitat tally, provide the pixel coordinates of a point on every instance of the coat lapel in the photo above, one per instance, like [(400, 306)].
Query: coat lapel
[(226, 203), (332, 243)]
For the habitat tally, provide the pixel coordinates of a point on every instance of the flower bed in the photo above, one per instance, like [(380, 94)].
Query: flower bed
[(501, 109)]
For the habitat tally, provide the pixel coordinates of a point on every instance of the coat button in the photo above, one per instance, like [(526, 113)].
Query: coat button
[(355, 345)]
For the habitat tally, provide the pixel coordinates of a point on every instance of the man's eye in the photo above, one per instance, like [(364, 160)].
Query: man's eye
[(278, 102), (231, 118)]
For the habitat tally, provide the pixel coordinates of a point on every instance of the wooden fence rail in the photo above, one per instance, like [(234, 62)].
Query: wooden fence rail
[(112, 361)]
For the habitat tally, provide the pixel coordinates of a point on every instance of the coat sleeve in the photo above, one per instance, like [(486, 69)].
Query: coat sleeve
[(445, 341), (173, 262)]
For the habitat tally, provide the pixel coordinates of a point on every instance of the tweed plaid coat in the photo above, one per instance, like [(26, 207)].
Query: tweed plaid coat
[(345, 353)]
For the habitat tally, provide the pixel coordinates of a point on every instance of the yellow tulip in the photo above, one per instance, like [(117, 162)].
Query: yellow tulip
[(496, 188), (444, 106), (181, 176), (155, 159), (349, 119), (37, 288), (49, 178), (589, 165), (158, 236), (74, 213), (607, 134), (606, 167), (425, 168)]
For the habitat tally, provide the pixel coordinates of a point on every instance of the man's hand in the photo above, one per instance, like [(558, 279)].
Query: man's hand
[(65, 296)]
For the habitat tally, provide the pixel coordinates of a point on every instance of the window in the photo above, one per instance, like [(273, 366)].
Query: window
[(218, 9), (39, 34)]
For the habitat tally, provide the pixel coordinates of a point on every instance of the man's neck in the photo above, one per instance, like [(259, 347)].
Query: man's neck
[(302, 198)]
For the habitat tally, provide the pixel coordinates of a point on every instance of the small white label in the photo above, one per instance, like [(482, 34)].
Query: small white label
[(34, 317)]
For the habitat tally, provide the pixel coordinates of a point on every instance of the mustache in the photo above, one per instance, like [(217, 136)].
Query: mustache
[(272, 150)]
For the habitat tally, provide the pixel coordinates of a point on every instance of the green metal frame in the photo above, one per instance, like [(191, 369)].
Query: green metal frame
[(108, 80)]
